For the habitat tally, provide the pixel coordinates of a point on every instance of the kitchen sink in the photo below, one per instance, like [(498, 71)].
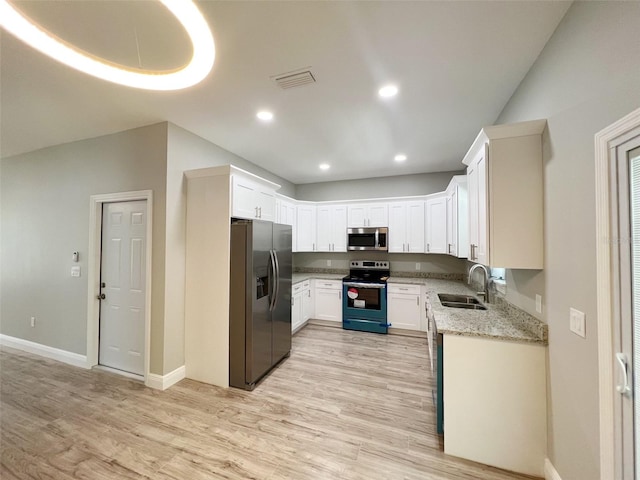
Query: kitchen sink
[(460, 301)]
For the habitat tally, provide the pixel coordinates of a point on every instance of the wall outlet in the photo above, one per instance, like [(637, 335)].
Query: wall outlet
[(417, 265), (328, 263), (577, 322), (539, 303), (33, 322)]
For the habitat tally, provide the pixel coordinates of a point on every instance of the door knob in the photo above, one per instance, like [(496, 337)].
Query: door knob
[(102, 296)]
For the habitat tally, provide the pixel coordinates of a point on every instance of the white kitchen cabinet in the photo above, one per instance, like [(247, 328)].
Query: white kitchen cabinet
[(301, 304), (405, 309), (296, 308), (308, 296), (436, 224), (368, 215), (505, 181), (495, 388), (286, 214), (253, 198), (328, 300), (457, 217), (331, 228), (285, 210), (306, 227), (406, 227)]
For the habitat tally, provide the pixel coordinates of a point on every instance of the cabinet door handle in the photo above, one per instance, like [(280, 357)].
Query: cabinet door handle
[(256, 214), (260, 210), (428, 247), (339, 294), (418, 301), (314, 247)]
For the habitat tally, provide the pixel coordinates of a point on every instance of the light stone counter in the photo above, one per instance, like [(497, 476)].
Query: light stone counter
[(301, 277), (500, 321)]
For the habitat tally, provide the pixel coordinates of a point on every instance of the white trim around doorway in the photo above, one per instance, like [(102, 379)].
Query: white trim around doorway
[(605, 143), (93, 272)]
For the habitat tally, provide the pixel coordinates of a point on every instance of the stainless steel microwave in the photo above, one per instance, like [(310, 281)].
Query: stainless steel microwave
[(369, 238)]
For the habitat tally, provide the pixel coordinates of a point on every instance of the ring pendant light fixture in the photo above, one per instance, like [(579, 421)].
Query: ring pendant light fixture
[(185, 12)]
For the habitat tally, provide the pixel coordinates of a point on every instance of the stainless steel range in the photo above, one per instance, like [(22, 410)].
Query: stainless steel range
[(364, 296)]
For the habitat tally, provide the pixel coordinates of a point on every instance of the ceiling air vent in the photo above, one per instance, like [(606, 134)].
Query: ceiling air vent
[(294, 79)]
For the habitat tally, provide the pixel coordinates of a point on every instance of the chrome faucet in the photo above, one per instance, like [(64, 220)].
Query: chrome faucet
[(485, 293)]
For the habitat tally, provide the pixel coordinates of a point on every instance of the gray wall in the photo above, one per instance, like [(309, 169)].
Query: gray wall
[(398, 186), (187, 151), (586, 78), (45, 217)]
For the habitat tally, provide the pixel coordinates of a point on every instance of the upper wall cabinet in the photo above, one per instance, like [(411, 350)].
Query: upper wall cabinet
[(286, 214), (285, 210), (331, 228), (505, 182), (252, 197), (306, 227), (368, 215), (436, 224), (406, 227), (457, 217)]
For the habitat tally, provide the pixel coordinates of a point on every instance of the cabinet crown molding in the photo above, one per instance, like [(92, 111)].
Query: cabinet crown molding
[(509, 130)]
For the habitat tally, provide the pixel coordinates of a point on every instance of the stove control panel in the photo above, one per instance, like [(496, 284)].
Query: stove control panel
[(371, 264)]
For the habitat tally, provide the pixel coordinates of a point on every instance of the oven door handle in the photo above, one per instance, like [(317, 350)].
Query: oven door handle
[(365, 285)]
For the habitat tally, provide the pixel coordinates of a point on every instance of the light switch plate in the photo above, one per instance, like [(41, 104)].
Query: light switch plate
[(577, 322), (75, 271), (328, 263), (539, 303), (417, 265)]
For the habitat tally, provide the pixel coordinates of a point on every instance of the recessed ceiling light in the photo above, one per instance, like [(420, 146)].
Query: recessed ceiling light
[(401, 157), (264, 115), (388, 91), (324, 166), (185, 12)]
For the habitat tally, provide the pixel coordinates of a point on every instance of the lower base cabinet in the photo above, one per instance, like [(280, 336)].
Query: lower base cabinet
[(495, 402), (301, 304), (405, 309), (328, 300)]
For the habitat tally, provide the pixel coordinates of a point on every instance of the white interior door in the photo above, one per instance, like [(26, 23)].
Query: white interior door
[(627, 311), (123, 284)]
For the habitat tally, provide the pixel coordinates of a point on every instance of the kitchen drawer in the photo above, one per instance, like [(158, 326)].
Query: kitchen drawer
[(329, 284), (403, 288), (299, 287), (306, 284)]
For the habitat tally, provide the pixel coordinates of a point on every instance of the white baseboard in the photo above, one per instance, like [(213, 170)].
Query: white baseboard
[(550, 472), (64, 356), (162, 382)]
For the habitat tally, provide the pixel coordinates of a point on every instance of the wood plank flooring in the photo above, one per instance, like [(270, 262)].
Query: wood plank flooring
[(345, 405)]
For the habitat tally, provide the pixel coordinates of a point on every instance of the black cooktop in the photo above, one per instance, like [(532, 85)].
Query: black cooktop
[(368, 271)]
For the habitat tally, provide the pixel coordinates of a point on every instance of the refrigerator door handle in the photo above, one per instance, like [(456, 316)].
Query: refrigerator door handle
[(277, 284), (272, 276)]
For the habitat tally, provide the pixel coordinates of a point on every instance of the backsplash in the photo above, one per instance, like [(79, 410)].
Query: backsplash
[(328, 262), (341, 271)]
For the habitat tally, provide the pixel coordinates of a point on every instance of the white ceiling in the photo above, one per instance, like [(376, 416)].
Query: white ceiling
[(456, 64)]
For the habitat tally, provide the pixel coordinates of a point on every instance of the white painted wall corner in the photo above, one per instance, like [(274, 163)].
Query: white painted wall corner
[(162, 382), (64, 356), (550, 472)]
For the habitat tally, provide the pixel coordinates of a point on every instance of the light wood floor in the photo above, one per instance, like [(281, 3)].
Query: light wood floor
[(345, 405)]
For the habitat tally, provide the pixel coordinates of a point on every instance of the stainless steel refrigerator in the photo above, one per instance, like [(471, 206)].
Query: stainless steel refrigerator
[(260, 300)]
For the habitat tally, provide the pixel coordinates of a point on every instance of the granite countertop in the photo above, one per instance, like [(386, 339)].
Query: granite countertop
[(301, 277), (499, 322)]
